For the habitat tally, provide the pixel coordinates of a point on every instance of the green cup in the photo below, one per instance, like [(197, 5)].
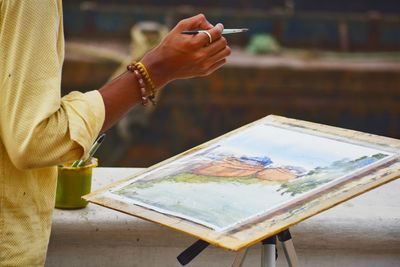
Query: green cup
[(72, 184)]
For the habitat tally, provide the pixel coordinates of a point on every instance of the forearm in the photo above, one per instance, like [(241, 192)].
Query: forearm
[(119, 96)]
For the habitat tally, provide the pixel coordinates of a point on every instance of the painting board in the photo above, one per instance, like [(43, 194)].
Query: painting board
[(274, 170)]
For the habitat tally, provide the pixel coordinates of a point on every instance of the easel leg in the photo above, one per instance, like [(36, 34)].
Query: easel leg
[(268, 252), (290, 253), (286, 239), (239, 259)]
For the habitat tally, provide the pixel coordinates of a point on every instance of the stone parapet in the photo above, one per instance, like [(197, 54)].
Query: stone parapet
[(364, 231)]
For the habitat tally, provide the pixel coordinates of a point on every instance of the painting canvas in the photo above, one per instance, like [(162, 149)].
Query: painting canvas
[(247, 175)]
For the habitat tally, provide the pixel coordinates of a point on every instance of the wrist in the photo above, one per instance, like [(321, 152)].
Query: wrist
[(156, 70)]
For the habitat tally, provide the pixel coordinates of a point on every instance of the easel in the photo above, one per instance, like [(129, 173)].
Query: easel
[(268, 251)]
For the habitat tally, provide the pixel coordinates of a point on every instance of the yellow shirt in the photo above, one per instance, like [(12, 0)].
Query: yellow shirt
[(38, 128)]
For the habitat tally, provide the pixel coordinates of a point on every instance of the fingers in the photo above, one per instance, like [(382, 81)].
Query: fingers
[(183, 56), (193, 23), (214, 56), (211, 35), (216, 46), (222, 54), (200, 22), (215, 66)]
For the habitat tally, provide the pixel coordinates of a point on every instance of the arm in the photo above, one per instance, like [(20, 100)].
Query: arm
[(38, 128), (178, 56)]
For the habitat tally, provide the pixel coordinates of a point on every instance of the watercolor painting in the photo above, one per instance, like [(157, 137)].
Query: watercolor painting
[(248, 175)]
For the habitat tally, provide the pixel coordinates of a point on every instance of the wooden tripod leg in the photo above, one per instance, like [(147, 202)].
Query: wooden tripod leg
[(286, 240), (239, 259), (290, 253)]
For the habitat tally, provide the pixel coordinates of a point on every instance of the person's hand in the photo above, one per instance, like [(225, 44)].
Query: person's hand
[(181, 56)]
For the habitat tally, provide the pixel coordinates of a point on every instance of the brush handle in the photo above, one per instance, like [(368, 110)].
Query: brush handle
[(225, 31)]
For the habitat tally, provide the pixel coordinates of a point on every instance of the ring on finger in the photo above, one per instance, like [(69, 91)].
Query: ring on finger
[(208, 34)]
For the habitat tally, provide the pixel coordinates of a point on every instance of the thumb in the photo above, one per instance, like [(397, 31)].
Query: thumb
[(196, 22)]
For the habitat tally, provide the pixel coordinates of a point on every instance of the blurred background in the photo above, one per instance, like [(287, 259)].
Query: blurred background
[(331, 62)]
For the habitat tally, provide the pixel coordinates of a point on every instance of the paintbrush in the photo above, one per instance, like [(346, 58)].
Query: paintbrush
[(93, 149), (225, 31)]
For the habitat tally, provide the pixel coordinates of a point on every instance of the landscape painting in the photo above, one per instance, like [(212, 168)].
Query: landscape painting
[(247, 175)]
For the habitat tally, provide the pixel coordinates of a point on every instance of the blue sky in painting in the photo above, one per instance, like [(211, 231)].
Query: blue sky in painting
[(286, 147)]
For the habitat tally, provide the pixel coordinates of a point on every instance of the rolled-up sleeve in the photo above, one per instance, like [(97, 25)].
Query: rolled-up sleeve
[(37, 127)]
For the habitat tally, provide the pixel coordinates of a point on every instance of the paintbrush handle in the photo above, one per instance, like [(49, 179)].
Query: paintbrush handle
[(93, 149), (225, 31)]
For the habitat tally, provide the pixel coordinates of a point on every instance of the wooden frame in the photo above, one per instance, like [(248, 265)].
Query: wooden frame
[(248, 234)]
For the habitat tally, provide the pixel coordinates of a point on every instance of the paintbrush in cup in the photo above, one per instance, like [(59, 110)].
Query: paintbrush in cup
[(93, 149)]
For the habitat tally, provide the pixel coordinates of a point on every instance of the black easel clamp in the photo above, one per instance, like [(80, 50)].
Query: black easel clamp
[(191, 252), (268, 251)]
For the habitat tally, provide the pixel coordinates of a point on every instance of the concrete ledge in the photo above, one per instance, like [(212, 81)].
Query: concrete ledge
[(364, 231)]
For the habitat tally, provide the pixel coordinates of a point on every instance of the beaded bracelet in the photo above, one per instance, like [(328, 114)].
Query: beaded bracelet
[(143, 79), (142, 69)]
